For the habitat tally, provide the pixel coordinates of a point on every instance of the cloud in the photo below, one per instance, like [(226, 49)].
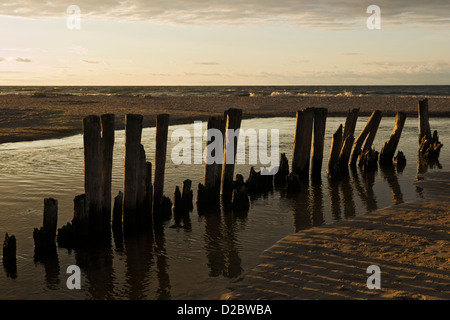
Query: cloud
[(309, 13), (91, 61), (205, 63), (22, 60)]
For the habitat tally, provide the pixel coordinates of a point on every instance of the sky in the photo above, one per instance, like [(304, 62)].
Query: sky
[(232, 42)]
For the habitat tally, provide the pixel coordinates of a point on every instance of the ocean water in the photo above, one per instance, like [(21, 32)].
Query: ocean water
[(183, 263), (253, 91)]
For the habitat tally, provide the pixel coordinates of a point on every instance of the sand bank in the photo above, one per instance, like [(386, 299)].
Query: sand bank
[(409, 242), (30, 118)]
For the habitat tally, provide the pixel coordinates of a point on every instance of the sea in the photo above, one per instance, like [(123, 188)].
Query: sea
[(252, 91)]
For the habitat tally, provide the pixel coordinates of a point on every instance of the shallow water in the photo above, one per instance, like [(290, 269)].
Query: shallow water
[(195, 263)]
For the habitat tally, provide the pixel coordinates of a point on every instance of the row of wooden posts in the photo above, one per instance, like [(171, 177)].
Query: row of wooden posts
[(143, 205)]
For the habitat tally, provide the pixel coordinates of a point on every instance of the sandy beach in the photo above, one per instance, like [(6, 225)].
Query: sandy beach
[(409, 242), (25, 118)]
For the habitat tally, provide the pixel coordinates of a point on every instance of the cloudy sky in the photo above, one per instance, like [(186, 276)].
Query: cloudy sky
[(224, 42)]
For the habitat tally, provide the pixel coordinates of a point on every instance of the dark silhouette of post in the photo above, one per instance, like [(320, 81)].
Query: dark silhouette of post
[(424, 122), (162, 129), (302, 142), (133, 131), (107, 121), (233, 123), (320, 118), (348, 139), (388, 149), (148, 219), (373, 122), (213, 172), (333, 160), (93, 167)]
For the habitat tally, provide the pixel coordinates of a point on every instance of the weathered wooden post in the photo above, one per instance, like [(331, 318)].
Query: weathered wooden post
[(93, 167), (239, 199), (333, 160), (424, 122), (117, 212), (350, 123), (430, 146), (77, 231), (107, 121), (373, 121), (388, 149), (133, 131), (9, 250), (162, 129), (320, 118), (348, 139), (280, 178), (233, 124), (302, 142), (373, 132), (45, 237), (209, 191), (148, 219), (141, 186)]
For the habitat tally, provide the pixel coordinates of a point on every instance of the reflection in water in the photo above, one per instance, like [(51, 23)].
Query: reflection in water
[(388, 173), (221, 252), (365, 192), (163, 291), (51, 266), (347, 197), (302, 210), (316, 201), (424, 164), (335, 200), (95, 260)]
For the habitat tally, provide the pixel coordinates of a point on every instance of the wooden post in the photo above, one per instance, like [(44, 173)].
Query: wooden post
[(107, 121), (45, 237), (213, 172), (350, 123), (429, 145), (373, 132), (9, 250), (93, 167), (133, 131), (344, 156), (348, 139), (374, 120), (333, 160), (320, 118), (424, 123), (50, 218), (141, 186), (162, 129), (239, 199), (117, 212), (187, 195), (280, 178), (388, 150), (208, 193), (233, 123), (148, 195), (302, 142)]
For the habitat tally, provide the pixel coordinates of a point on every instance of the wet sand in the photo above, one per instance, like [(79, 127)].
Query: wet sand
[(409, 242), (25, 118)]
